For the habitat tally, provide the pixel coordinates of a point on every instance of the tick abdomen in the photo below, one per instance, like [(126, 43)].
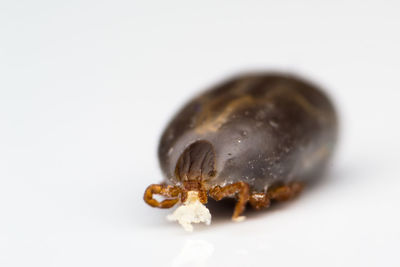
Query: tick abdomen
[(263, 129)]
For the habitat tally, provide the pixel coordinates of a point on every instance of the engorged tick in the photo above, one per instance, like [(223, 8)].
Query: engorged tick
[(257, 137)]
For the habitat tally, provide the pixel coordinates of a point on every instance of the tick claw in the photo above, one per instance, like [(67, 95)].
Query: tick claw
[(239, 219)]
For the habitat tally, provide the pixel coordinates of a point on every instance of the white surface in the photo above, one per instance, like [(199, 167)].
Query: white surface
[(86, 88)]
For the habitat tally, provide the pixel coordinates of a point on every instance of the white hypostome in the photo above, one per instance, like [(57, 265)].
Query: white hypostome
[(192, 211)]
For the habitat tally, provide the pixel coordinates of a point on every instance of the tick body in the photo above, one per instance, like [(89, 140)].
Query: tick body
[(256, 137)]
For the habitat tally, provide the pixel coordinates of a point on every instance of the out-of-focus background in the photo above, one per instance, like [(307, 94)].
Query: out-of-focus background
[(86, 87)]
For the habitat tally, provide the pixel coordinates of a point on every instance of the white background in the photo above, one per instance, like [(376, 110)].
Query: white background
[(86, 88)]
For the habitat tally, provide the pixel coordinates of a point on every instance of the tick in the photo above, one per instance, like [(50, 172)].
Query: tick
[(258, 138)]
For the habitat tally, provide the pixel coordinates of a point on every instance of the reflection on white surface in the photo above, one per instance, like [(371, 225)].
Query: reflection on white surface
[(194, 253)]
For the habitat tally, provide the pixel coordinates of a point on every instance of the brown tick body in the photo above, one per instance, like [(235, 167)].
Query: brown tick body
[(256, 137)]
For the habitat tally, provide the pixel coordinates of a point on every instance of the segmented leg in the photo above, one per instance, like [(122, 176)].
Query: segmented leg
[(285, 192), (240, 188), (281, 193), (168, 191), (259, 200)]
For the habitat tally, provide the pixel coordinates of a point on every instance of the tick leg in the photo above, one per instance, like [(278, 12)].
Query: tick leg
[(240, 188), (259, 200), (168, 191), (285, 192)]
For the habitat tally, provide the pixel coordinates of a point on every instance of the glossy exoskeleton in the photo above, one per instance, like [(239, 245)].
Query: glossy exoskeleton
[(256, 137)]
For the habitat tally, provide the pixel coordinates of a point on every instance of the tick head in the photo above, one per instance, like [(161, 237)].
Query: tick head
[(191, 188), (196, 163)]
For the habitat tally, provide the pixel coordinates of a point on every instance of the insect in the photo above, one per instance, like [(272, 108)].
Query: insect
[(258, 138)]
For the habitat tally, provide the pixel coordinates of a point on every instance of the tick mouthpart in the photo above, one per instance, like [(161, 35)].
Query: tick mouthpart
[(191, 194), (194, 186)]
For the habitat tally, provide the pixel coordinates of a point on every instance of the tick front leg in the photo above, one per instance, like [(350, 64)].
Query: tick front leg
[(168, 191), (242, 190)]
